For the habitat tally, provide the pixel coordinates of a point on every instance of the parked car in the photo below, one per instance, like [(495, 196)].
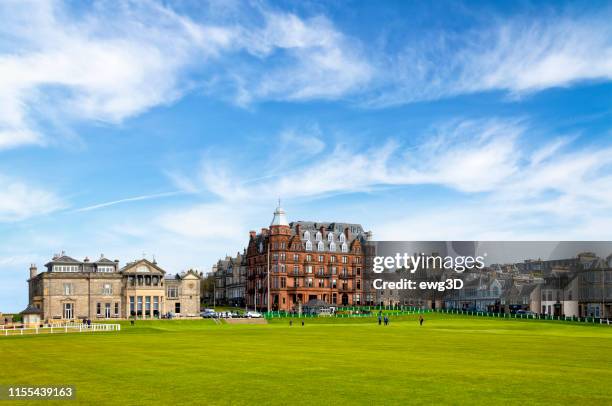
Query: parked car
[(253, 315), (209, 314), (525, 312)]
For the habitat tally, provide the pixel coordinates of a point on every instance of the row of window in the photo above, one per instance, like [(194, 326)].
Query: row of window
[(77, 268), (319, 236), (107, 290), (308, 283), (296, 258)]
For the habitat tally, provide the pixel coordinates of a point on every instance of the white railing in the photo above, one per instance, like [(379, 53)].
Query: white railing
[(67, 328)]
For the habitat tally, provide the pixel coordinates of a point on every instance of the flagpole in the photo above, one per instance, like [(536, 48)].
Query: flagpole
[(268, 274)]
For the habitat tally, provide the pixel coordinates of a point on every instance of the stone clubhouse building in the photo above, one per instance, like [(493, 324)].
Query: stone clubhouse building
[(70, 289)]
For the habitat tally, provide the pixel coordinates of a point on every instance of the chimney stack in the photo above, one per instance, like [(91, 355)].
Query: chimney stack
[(33, 271)]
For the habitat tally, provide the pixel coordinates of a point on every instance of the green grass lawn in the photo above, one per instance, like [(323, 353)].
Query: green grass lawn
[(451, 359)]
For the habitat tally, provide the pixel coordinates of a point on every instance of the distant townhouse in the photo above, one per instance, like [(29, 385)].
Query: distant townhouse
[(230, 280), (70, 289)]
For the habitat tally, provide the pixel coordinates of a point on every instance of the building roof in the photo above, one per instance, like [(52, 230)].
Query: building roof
[(31, 309), (279, 219)]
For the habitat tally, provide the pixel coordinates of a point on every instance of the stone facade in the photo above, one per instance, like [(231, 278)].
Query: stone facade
[(75, 290)]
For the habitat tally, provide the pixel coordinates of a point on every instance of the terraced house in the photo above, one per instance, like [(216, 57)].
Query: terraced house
[(305, 261), (70, 289)]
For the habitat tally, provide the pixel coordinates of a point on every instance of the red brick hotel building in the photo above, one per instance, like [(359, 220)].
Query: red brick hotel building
[(305, 261)]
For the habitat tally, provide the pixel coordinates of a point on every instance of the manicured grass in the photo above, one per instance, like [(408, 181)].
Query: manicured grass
[(451, 359)]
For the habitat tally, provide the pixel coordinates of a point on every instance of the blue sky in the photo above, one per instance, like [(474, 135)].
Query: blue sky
[(170, 129)]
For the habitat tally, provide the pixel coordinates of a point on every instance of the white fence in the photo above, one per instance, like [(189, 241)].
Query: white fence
[(64, 328)]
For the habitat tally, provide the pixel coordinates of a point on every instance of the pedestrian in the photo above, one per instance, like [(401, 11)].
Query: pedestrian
[(302, 323), (421, 319), (386, 319), (290, 323), (379, 319)]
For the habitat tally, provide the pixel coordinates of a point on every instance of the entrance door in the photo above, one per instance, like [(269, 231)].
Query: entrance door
[(68, 311), (107, 310), (344, 299)]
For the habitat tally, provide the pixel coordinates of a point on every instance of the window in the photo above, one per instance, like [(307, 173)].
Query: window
[(309, 282), (307, 235), (107, 310), (334, 283), (155, 306), (177, 307), (132, 309), (107, 289), (344, 247), (330, 237), (318, 236), (68, 289), (321, 283), (308, 258), (320, 246), (116, 308), (358, 284), (345, 260), (106, 268), (321, 257), (332, 258), (332, 246), (66, 268), (296, 257), (172, 292), (296, 269), (147, 305), (342, 237), (308, 268), (283, 282), (139, 308), (98, 308), (308, 246), (68, 310), (296, 282), (358, 271)]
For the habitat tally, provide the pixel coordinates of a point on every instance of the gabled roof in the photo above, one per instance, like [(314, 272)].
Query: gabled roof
[(63, 259), (143, 261), (103, 260)]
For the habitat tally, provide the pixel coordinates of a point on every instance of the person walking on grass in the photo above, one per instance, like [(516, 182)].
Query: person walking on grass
[(386, 320), (290, 323), (302, 323), (421, 320), (379, 319)]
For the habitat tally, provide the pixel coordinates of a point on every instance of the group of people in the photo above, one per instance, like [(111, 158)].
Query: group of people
[(383, 319), (291, 323)]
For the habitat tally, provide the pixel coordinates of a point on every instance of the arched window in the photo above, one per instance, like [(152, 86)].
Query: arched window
[(342, 237), (344, 247), (332, 246), (330, 237), (308, 245), (320, 246), (319, 237), (307, 235)]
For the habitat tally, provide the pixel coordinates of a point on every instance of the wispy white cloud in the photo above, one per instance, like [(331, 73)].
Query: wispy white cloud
[(519, 54), (127, 200), (20, 200)]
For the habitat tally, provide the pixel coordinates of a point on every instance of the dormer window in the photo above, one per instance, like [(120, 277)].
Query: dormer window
[(319, 237), (342, 237), (308, 245), (344, 247), (320, 246), (307, 235), (330, 237), (332, 247)]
